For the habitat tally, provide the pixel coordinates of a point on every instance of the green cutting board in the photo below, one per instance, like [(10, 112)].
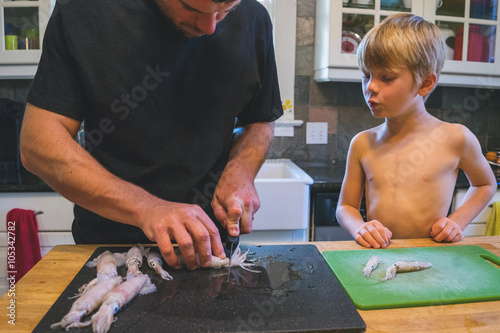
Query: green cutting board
[(459, 274)]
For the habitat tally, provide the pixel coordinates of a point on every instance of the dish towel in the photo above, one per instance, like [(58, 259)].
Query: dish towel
[(493, 223), (23, 244)]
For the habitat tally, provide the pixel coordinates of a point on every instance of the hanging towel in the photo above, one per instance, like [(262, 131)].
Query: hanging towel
[(493, 223), (22, 230)]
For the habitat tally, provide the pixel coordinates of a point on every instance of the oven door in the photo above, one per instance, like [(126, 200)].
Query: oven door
[(324, 221)]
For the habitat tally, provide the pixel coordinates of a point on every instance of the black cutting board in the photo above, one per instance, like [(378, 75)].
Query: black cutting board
[(296, 291)]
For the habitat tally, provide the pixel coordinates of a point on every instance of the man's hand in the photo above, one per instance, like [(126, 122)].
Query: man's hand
[(235, 201), (446, 230), (373, 234), (189, 226)]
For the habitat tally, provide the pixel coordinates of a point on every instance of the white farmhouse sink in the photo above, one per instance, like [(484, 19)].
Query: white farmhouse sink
[(283, 189)]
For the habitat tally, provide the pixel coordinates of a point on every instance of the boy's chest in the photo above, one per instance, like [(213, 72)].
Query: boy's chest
[(420, 160)]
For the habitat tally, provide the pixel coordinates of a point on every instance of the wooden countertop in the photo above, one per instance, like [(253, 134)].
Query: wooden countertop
[(41, 286)]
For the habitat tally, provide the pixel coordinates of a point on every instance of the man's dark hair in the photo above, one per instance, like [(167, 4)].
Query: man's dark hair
[(219, 1)]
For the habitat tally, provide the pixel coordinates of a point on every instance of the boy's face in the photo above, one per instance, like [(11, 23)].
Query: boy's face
[(389, 94), (196, 18)]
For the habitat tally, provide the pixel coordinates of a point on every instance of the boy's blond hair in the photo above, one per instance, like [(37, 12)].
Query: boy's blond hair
[(403, 41)]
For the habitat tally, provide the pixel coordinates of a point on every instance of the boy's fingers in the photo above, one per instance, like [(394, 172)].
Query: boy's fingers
[(362, 241), (377, 234), (382, 231), (368, 236)]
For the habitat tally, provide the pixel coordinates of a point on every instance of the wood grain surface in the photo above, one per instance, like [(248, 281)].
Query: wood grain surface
[(39, 289)]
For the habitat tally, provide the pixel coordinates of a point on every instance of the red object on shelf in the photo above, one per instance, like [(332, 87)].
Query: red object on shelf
[(478, 49)]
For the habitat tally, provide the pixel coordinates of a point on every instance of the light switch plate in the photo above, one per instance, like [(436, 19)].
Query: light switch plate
[(316, 133)]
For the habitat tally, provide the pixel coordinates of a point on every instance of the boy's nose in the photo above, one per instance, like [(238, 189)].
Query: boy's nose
[(207, 23), (371, 86)]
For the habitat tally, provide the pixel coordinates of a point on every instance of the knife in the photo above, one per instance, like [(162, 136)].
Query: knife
[(231, 244)]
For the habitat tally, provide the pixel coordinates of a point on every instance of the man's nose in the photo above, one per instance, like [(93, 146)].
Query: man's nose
[(207, 23)]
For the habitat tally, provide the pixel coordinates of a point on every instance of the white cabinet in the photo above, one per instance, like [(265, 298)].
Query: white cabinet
[(468, 26), (22, 27), (54, 225), (478, 225)]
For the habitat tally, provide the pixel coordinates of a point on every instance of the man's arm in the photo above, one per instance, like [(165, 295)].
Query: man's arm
[(49, 151), (235, 199), (482, 187)]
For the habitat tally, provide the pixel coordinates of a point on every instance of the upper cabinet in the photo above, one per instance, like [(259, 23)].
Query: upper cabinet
[(22, 25), (469, 28)]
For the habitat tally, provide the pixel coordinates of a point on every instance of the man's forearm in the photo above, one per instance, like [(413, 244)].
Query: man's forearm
[(250, 147)]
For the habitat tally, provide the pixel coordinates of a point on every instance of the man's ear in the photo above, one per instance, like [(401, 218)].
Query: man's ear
[(428, 84)]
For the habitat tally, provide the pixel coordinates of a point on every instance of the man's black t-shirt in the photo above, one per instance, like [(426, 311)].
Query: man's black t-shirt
[(159, 108)]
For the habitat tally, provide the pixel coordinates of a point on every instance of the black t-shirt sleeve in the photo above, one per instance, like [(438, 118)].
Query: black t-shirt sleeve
[(56, 86), (266, 103)]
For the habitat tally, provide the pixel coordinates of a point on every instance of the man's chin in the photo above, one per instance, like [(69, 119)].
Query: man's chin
[(190, 33)]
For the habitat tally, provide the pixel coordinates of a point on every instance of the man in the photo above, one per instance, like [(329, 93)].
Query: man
[(159, 85)]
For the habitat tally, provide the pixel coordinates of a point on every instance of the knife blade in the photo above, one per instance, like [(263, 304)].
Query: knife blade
[(231, 244)]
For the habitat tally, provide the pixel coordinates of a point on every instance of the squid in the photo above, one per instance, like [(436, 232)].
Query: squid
[(405, 266), (106, 264), (371, 265), (237, 259), (116, 299), (88, 302), (133, 259), (155, 262)]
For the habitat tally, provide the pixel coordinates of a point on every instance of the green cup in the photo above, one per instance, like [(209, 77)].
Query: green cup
[(10, 42)]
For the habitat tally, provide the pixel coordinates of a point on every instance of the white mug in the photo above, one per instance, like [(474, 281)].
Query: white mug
[(363, 2), (448, 34), (439, 3)]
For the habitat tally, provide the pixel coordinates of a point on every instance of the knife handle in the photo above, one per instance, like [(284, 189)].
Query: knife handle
[(232, 241)]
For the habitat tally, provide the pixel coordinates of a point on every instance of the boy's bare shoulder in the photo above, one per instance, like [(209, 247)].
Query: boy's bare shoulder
[(456, 134), (368, 135)]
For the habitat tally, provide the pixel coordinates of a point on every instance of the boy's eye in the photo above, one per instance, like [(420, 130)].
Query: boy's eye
[(388, 78)]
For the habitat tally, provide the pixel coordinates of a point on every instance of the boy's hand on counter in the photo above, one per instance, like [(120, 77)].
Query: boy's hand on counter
[(446, 230), (373, 234)]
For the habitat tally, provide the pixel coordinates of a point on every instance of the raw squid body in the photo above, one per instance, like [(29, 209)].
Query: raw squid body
[(405, 266)]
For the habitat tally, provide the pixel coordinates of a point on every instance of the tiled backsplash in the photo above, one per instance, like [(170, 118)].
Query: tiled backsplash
[(343, 107)]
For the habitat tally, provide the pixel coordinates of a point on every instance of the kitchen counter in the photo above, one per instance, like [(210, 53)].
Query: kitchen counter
[(39, 289)]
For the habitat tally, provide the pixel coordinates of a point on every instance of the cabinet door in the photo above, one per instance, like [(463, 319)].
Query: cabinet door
[(22, 26), (469, 28), (341, 24)]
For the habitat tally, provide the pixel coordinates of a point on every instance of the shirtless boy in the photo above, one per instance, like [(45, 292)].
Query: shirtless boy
[(408, 166)]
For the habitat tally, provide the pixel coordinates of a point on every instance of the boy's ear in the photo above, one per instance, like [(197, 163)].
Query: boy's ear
[(428, 84)]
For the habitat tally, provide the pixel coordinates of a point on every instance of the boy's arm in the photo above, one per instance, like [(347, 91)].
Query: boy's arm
[(482, 187), (370, 234)]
